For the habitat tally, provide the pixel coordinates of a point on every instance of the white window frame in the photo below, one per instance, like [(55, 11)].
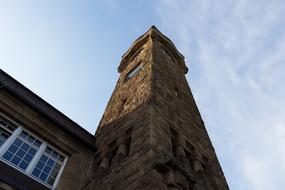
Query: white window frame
[(36, 157)]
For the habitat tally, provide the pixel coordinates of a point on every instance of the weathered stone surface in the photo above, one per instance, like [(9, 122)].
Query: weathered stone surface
[(151, 133)]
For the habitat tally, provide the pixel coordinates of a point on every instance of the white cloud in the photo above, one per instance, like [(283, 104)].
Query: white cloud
[(236, 53)]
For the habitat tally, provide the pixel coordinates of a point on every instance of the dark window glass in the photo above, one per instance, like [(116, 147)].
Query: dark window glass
[(43, 176), (13, 149), (60, 158), (31, 139), (32, 151), (25, 147), (48, 166), (47, 169), (36, 172), (40, 165), (15, 160), (51, 180), (48, 150), (54, 154), (20, 153), (37, 143), (57, 166), (17, 142), (50, 162), (23, 165), (28, 157), (24, 134), (7, 156), (134, 71), (4, 135), (44, 158)]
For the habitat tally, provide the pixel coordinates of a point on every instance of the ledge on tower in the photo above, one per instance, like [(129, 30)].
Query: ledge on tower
[(152, 33)]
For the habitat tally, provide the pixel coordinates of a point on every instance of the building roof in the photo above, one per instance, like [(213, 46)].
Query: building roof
[(40, 105)]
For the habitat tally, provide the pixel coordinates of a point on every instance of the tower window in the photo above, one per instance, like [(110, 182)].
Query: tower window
[(176, 92), (134, 71), (173, 136)]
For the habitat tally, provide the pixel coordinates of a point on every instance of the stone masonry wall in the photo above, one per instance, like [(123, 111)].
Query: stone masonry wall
[(130, 93), (151, 135), (79, 155)]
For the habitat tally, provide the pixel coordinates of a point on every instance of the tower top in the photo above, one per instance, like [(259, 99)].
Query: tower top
[(152, 34)]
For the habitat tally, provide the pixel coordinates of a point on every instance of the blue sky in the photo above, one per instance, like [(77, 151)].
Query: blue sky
[(68, 51)]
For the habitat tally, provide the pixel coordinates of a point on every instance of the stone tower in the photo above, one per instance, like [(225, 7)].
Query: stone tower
[(151, 135)]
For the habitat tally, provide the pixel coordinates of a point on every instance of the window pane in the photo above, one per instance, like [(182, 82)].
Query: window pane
[(17, 142), (44, 158), (40, 165), (13, 149), (51, 180), (47, 169), (24, 134), (60, 158), (43, 176), (7, 156), (15, 160), (6, 124), (22, 151), (57, 167), (6, 130), (48, 166), (48, 150), (3, 123), (4, 135), (23, 165), (32, 151), (54, 154), (31, 139), (36, 172), (28, 157), (37, 143), (50, 162), (25, 147), (54, 173)]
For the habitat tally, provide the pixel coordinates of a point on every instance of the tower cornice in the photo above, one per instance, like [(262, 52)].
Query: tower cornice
[(152, 34)]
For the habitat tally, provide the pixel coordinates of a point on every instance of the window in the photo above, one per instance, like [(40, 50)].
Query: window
[(6, 129), (29, 154), (176, 91), (48, 166), (134, 71), (22, 150)]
